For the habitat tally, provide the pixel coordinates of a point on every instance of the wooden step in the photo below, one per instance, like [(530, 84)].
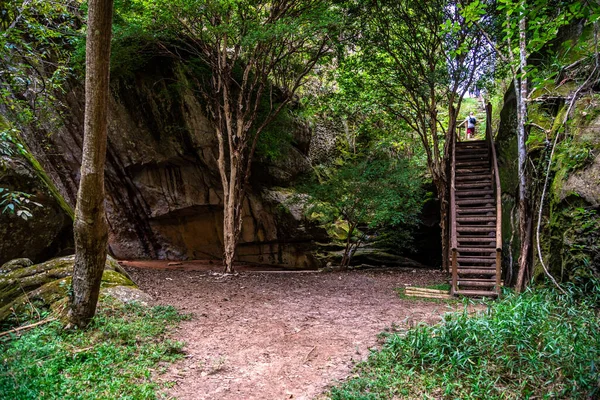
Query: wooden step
[(491, 282), (484, 218), (471, 228), (476, 210), (476, 271), (472, 149), (483, 249), (472, 170), (476, 293), (473, 177), (472, 143), (484, 192), (486, 201), (472, 163), (471, 156), (480, 183), (477, 239), (479, 260), (478, 148)]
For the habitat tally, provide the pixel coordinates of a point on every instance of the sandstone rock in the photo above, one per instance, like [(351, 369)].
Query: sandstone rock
[(48, 233), (46, 285), (15, 264), (164, 197), (127, 294)]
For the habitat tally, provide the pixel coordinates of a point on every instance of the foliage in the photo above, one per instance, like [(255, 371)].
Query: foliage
[(9, 143), (17, 203), (251, 52), (368, 193), (35, 44), (540, 344), (14, 202), (114, 358)]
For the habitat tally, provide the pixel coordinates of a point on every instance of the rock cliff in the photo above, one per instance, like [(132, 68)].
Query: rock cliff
[(162, 184), (570, 224), (49, 232)]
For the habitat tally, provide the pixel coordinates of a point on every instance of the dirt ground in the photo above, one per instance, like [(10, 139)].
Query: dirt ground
[(279, 335)]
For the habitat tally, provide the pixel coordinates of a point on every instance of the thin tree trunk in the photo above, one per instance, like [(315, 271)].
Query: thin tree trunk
[(231, 217), (90, 227), (524, 212), (229, 242), (346, 256), (525, 274)]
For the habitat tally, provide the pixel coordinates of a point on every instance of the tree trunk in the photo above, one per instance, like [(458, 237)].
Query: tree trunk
[(232, 213), (525, 272), (90, 227), (230, 238), (524, 212), (346, 256), (444, 203)]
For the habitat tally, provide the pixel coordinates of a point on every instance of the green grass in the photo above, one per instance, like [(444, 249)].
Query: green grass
[(114, 358), (541, 344)]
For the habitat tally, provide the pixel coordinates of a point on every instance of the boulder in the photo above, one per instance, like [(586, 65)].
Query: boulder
[(26, 287), (49, 232)]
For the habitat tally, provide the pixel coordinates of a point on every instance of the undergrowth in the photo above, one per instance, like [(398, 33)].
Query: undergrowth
[(541, 344), (114, 358)]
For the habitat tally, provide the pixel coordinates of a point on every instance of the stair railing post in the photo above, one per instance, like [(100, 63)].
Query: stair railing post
[(498, 190), (453, 239), (454, 271)]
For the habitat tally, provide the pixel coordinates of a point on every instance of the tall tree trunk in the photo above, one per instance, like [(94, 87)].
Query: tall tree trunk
[(347, 250), (231, 228), (444, 225), (524, 212), (90, 227), (232, 212)]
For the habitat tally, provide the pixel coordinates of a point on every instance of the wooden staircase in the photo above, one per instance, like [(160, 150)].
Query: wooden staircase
[(475, 217)]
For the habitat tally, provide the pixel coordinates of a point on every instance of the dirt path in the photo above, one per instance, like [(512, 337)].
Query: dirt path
[(280, 335)]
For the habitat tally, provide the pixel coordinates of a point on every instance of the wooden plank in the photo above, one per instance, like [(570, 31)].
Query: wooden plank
[(477, 271), (430, 295), (426, 290)]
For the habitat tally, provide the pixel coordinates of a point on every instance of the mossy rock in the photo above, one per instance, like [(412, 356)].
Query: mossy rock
[(17, 263), (26, 287)]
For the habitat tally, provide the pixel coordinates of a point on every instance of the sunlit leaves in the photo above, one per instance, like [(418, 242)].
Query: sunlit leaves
[(17, 203), (35, 45)]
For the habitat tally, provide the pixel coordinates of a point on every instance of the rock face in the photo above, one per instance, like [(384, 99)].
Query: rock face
[(48, 233), (163, 191), (570, 225)]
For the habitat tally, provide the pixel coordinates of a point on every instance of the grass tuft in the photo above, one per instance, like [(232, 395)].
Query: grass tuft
[(114, 358), (541, 344)]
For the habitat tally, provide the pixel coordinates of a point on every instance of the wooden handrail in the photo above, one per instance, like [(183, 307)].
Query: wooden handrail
[(490, 138), (453, 238)]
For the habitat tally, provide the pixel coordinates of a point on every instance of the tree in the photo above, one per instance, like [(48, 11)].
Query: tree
[(253, 56), (422, 58), (369, 192), (90, 227)]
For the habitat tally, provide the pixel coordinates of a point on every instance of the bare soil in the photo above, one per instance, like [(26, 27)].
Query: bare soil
[(279, 335)]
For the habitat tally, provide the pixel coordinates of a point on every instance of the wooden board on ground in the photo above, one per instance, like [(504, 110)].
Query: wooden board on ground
[(427, 293)]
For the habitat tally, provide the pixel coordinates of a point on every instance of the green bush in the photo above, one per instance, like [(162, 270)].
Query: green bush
[(541, 344), (115, 358)]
